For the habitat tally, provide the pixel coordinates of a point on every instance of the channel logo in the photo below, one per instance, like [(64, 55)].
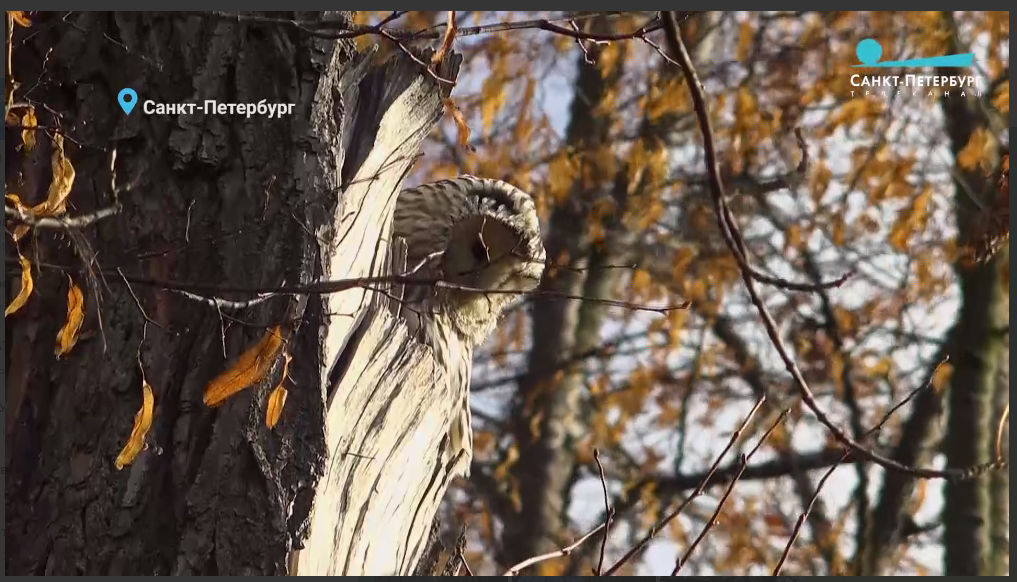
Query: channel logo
[(869, 51)]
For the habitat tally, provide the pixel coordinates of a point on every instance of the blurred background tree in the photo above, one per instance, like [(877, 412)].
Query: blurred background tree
[(897, 189)]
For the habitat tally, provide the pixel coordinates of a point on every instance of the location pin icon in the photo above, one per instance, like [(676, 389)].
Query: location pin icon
[(128, 98)]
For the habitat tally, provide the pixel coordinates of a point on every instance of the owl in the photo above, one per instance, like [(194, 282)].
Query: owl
[(481, 238)]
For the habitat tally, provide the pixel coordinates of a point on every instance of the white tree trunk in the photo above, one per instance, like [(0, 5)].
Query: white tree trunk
[(388, 405)]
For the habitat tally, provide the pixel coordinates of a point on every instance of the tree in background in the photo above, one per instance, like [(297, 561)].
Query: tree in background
[(895, 191), (860, 218)]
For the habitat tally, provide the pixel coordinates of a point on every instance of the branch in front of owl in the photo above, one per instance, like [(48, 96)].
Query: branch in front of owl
[(209, 293), (736, 245)]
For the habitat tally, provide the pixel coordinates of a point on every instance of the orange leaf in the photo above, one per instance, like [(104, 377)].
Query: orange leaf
[(60, 186), (446, 40), (462, 130), (28, 135), (68, 335), (142, 423), (277, 400), (975, 152), (19, 17), (26, 286), (252, 366)]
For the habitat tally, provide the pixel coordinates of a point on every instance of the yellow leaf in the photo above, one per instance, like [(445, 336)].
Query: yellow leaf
[(744, 40), (941, 376), (910, 219), (1002, 99), (250, 368), (26, 286), (462, 130), (277, 399), (142, 423), (28, 135), (19, 17), (68, 335), (974, 154), (446, 40), (60, 187)]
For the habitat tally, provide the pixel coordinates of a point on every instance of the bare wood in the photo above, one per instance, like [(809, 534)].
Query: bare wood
[(388, 405)]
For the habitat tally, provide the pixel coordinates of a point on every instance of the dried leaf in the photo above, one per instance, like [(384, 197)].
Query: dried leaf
[(28, 135), (974, 154), (1002, 98), (462, 130), (68, 335), (446, 40), (277, 400), (26, 286), (253, 365), (63, 179), (142, 423), (21, 229), (18, 16)]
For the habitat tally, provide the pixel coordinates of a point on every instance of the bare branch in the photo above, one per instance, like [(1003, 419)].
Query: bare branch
[(847, 453), (58, 222), (699, 491), (608, 512), (514, 570), (742, 463)]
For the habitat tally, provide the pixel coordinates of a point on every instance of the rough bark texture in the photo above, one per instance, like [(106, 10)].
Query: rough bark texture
[(237, 201)]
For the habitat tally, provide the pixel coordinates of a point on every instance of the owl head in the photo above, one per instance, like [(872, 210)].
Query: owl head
[(482, 237)]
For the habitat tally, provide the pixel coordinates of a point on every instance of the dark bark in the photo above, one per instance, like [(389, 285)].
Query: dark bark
[(232, 200)]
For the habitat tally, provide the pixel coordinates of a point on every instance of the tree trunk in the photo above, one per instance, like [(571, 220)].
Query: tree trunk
[(236, 201), (984, 314)]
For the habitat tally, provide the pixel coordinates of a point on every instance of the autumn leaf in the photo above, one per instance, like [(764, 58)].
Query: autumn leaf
[(251, 367), (19, 17), (975, 153), (142, 423), (745, 34), (1002, 98), (28, 135), (68, 335), (26, 286), (60, 187), (462, 130), (446, 40), (277, 399)]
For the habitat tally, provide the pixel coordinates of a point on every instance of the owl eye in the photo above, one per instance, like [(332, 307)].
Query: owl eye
[(479, 249)]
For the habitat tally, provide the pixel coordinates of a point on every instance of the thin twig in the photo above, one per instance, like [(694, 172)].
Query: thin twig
[(699, 491), (742, 464), (514, 570), (847, 453), (138, 302), (736, 244), (340, 285), (608, 513), (57, 221)]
